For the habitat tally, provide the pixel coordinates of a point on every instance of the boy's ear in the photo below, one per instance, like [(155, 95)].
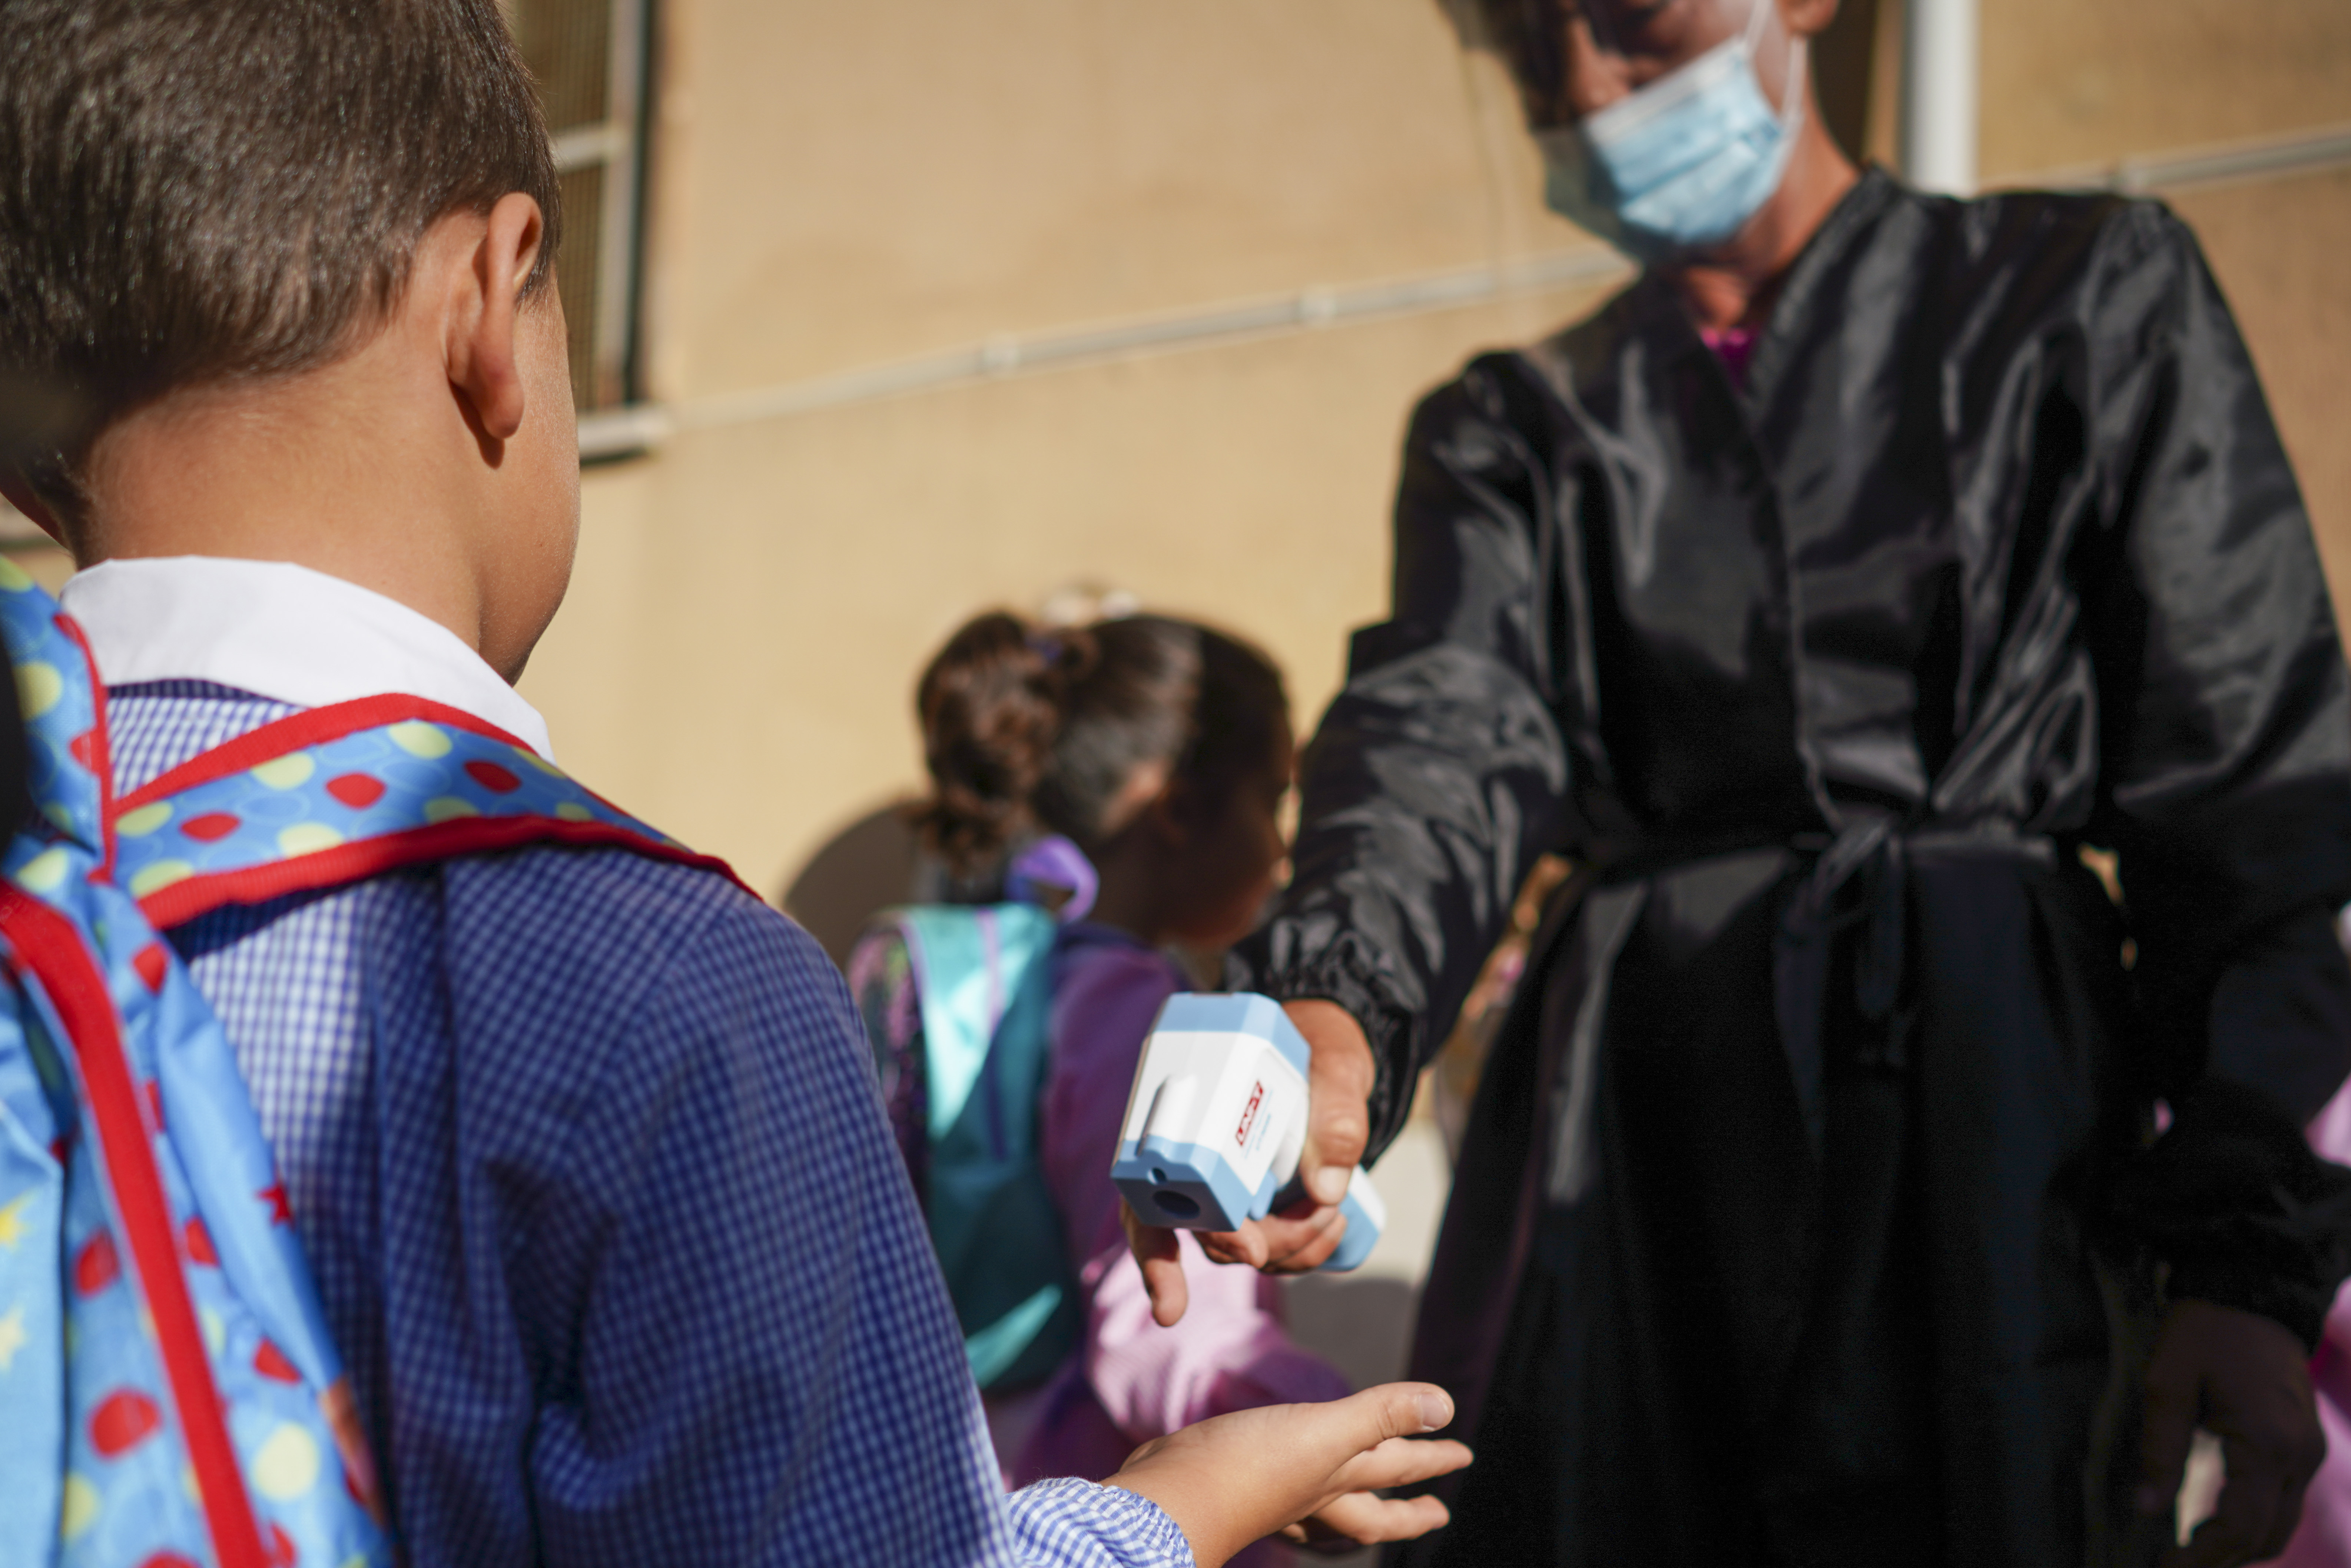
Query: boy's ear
[(482, 352)]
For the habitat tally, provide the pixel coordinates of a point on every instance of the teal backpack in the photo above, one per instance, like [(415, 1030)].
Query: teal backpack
[(958, 1003)]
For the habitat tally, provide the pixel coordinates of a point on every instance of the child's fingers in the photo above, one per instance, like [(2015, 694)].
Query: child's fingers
[(1400, 1462), (1161, 1258), (1360, 1423), (1365, 1518), (1232, 1479)]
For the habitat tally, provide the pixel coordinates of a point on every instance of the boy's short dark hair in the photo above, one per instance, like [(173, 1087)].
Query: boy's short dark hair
[(202, 191)]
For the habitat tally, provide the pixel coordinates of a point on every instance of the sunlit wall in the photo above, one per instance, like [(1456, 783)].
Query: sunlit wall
[(838, 187)]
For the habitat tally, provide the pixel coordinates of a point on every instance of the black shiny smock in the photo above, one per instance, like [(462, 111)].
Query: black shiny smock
[(1780, 1230)]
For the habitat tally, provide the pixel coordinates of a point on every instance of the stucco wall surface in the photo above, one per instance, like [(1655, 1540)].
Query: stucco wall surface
[(840, 186)]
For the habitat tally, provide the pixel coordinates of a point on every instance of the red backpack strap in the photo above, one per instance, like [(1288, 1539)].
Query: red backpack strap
[(335, 795)]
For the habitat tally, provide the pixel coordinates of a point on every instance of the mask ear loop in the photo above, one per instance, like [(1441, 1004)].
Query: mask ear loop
[(1792, 106)]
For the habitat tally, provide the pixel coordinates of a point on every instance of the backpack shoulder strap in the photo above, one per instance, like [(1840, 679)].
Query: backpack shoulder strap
[(337, 794), (983, 985), (64, 712), (46, 943), (133, 1345), (974, 965)]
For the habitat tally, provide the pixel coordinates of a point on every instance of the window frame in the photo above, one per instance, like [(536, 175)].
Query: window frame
[(615, 146)]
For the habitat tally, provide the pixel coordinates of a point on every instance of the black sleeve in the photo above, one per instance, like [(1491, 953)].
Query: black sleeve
[(1437, 773), (2227, 740)]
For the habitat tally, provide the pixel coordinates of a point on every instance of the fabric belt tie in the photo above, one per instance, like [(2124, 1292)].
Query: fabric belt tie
[(1859, 884)]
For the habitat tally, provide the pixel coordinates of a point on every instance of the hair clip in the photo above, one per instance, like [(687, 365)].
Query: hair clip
[(1054, 875)]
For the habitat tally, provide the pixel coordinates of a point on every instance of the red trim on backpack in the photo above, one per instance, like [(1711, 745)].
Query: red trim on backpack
[(101, 760), (299, 732), (178, 903), (47, 944)]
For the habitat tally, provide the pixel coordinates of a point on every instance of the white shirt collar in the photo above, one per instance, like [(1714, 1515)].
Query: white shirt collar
[(282, 632)]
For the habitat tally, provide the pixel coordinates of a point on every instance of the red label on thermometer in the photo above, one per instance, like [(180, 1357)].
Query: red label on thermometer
[(1248, 1114)]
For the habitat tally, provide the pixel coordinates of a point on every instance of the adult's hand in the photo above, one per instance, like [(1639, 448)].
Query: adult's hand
[(1308, 1472), (1292, 1240), (2244, 1378)]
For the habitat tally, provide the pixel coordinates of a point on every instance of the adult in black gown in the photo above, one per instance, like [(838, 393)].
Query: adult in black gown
[(1813, 1190)]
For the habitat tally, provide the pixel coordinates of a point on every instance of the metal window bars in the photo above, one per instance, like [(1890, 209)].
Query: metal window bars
[(589, 57)]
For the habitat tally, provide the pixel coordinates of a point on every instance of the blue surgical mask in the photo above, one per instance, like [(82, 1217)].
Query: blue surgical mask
[(1683, 162)]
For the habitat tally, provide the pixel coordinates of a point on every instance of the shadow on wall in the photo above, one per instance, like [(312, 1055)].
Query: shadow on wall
[(866, 867)]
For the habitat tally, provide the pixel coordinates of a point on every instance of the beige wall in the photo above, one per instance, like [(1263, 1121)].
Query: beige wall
[(2089, 81), (841, 184), (846, 184), (2283, 251), (850, 184), (2068, 83)]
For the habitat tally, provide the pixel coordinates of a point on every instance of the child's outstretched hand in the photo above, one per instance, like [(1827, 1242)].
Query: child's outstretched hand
[(1307, 1471)]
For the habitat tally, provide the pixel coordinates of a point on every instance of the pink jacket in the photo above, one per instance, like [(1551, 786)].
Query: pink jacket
[(2323, 1540), (1131, 1380)]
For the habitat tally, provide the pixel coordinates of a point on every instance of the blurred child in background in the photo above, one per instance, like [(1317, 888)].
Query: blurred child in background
[(1137, 767)]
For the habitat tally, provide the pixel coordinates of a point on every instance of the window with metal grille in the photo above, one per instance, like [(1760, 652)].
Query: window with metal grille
[(589, 59)]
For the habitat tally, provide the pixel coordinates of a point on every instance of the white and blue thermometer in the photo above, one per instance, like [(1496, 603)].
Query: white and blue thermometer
[(1217, 1118)]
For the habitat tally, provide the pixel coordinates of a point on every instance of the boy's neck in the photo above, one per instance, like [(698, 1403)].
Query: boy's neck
[(329, 470), (436, 462)]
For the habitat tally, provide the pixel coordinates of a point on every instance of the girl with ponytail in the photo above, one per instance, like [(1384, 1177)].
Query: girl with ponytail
[(1131, 773)]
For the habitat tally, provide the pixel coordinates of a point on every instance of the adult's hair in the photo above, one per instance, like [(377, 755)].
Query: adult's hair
[(1530, 36), (1027, 728), (198, 192)]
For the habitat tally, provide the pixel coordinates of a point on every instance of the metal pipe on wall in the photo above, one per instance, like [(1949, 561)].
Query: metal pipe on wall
[(639, 427), (1939, 95)]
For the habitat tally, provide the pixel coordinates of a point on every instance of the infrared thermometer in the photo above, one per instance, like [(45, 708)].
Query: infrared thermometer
[(1216, 1120)]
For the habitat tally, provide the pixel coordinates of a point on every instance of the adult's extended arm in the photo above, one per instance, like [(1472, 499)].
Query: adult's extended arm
[(1436, 776)]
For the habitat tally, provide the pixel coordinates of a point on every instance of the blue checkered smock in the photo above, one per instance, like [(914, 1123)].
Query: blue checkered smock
[(587, 1155)]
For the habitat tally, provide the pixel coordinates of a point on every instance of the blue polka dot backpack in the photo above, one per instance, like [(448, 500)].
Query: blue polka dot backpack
[(169, 1396)]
